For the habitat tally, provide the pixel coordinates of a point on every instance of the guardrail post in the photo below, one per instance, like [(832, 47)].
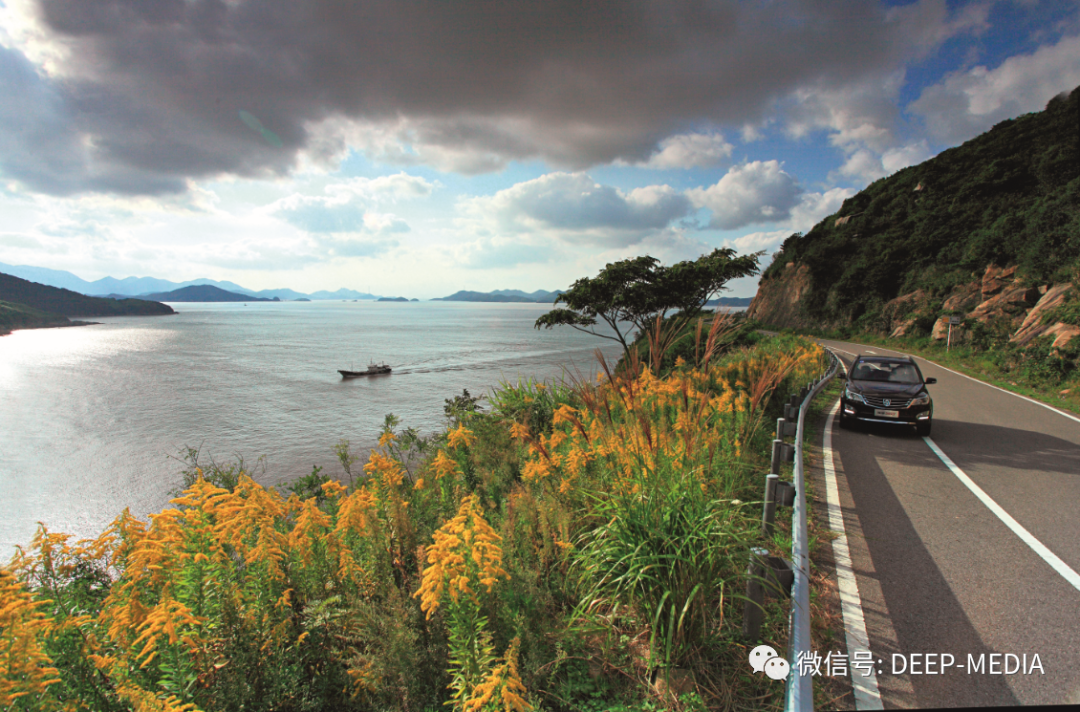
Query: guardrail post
[(754, 608), (768, 515), (777, 453)]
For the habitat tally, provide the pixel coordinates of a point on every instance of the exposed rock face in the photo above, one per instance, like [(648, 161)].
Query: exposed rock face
[(995, 278), (896, 311), (1032, 326), (964, 298), (998, 295), (1063, 334), (1011, 302), (777, 300)]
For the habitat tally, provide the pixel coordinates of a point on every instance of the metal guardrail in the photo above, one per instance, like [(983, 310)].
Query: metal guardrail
[(799, 695)]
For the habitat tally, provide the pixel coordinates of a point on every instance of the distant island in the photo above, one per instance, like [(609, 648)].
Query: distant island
[(393, 299), (28, 305), (205, 293), (502, 295), (730, 302)]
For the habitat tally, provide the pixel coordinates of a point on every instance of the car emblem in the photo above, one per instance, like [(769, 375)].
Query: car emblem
[(887, 402)]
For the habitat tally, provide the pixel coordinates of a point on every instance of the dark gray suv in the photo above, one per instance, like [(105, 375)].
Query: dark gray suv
[(887, 389)]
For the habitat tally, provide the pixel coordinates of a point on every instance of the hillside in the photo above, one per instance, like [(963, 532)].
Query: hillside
[(988, 230), (20, 316), (204, 293), (68, 303)]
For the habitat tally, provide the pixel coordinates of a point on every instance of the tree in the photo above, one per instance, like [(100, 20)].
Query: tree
[(636, 293)]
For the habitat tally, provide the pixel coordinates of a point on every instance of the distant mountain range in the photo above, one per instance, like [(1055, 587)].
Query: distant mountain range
[(146, 287), (502, 295)]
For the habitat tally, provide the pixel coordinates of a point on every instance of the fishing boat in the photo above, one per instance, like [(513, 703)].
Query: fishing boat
[(373, 369)]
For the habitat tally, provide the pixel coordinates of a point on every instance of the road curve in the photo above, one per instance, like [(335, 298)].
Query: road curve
[(939, 571)]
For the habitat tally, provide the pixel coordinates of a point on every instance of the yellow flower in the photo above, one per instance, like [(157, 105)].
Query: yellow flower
[(334, 489), (465, 548), (27, 668), (460, 437), (387, 438), (388, 468), (501, 687), (443, 465), (519, 431)]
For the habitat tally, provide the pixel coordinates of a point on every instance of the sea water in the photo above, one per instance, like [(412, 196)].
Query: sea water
[(92, 418)]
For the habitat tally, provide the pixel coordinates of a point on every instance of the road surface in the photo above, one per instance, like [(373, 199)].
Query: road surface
[(939, 567)]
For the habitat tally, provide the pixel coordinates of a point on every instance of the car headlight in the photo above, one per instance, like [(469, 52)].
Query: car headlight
[(852, 395), (921, 399)]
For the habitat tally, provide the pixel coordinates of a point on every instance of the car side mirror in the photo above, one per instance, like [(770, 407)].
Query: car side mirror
[(928, 381)]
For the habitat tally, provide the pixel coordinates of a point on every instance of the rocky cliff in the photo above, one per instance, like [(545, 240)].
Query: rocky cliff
[(988, 231)]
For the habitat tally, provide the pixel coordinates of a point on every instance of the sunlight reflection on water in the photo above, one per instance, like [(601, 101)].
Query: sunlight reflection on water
[(93, 417)]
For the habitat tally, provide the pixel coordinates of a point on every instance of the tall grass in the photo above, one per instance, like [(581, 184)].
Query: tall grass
[(478, 569)]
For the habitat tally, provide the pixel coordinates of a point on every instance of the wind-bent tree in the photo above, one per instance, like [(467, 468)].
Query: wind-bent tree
[(634, 294)]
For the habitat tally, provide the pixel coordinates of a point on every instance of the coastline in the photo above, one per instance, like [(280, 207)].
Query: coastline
[(7, 332)]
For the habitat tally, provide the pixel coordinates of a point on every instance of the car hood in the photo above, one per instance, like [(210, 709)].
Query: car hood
[(880, 388)]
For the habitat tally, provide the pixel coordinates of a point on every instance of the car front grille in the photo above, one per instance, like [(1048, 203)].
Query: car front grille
[(894, 401)]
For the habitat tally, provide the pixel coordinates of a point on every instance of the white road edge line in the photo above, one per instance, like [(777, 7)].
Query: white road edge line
[(867, 696), (989, 385), (1037, 546)]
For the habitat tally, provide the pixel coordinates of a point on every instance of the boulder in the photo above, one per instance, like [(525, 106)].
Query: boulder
[(941, 331), (902, 328), (1032, 325), (1012, 302), (964, 297), (995, 278)]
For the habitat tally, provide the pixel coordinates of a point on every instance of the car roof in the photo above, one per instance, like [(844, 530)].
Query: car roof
[(880, 359)]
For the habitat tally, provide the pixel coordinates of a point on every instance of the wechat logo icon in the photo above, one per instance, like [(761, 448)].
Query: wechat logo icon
[(764, 658)]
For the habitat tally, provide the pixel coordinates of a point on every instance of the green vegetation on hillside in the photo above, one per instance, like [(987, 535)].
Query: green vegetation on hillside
[(20, 316), (1009, 196), (69, 303)]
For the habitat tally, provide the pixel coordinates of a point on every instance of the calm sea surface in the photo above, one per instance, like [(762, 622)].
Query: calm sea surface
[(92, 418)]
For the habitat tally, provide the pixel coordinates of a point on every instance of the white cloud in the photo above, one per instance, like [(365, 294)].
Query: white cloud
[(19, 241), (756, 241), (968, 103), (912, 154), (396, 186), (504, 252), (696, 150), (813, 207), (757, 192), (344, 207), (571, 206), (855, 115)]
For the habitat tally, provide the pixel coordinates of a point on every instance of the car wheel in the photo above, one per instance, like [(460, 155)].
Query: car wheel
[(923, 428)]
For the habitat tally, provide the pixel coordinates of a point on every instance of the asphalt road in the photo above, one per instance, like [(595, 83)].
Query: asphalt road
[(938, 571)]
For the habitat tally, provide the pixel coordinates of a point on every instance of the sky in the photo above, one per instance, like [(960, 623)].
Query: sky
[(415, 148)]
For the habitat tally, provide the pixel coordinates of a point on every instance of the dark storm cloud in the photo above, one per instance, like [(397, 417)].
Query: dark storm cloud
[(151, 91)]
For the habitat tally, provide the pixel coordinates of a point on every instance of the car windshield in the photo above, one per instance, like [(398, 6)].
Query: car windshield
[(886, 371)]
